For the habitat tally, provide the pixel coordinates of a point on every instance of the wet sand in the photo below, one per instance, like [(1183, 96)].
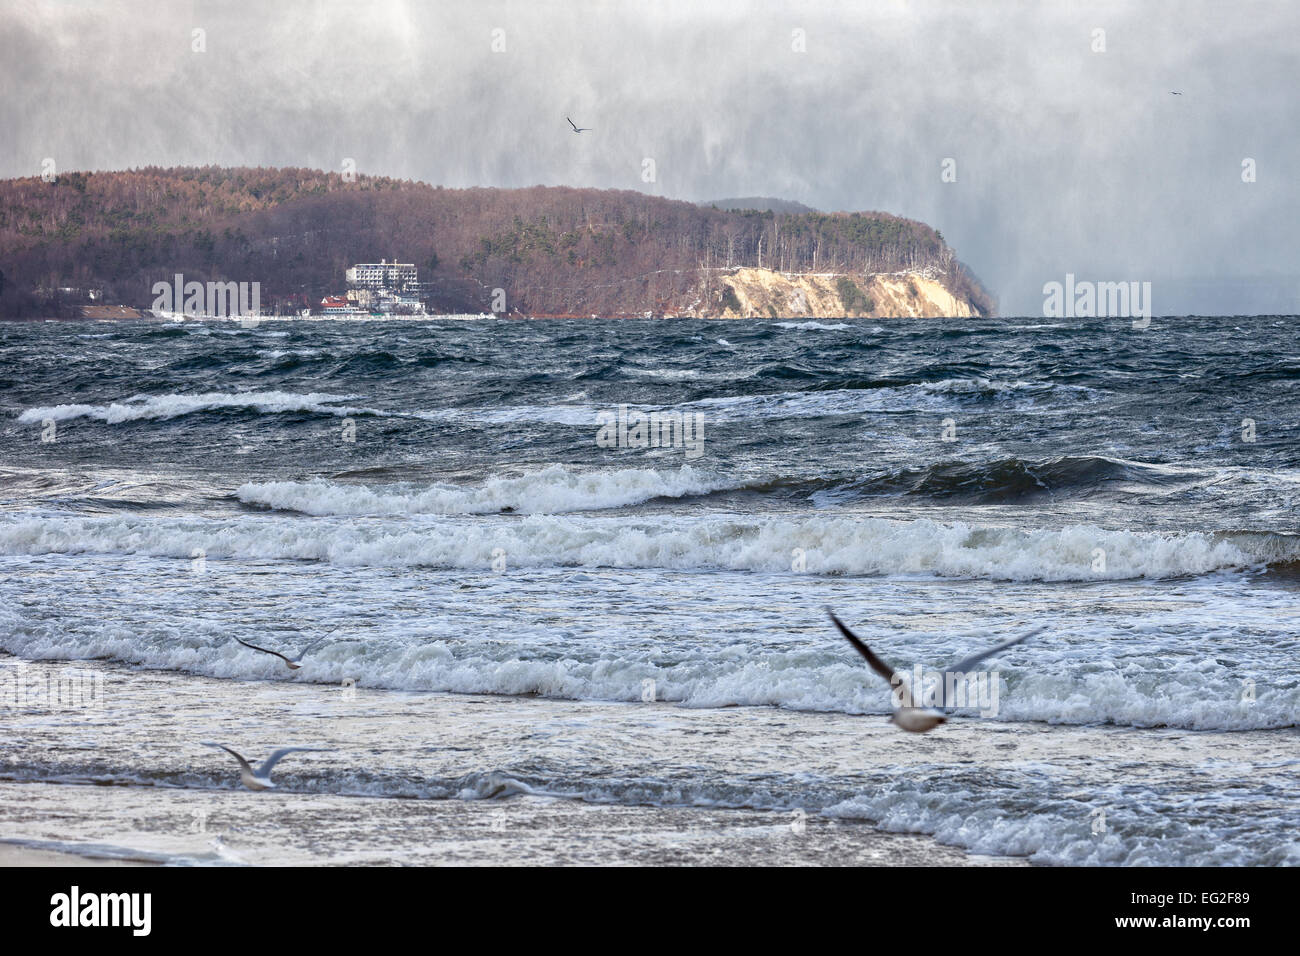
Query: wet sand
[(274, 829)]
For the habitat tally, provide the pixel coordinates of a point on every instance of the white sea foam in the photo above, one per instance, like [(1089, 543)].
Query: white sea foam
[(1053, 830), (139, 407), (1065, 677), (813, 326), (552, 490), (831, 544), (668, 374)]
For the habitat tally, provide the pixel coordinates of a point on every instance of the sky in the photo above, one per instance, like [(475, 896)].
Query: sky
[(1070, 152)]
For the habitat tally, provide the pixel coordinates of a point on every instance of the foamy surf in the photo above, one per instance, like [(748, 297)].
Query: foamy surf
[(163, 407), (826, 545), (814, 326), (552, 490), (1079, 673)]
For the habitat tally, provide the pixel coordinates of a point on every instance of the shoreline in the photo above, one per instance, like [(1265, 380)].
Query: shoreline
[(462, 797), (517, 830), (14, 854), (435, 778)]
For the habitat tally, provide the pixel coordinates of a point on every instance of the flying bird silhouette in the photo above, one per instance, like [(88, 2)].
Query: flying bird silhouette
[(577, 128), (920, 719), (293, 663), (1175, 93), (260, 779)]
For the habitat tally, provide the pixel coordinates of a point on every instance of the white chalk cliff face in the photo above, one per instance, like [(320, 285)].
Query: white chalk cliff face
[(763, 293)]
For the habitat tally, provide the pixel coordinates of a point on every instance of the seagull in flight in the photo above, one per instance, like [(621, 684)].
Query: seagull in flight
[(260, 779), (1175, 92), (920, 719), (578, 129), (293, 663)]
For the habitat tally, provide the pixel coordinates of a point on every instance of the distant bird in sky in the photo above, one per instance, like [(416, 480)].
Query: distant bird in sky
[(260, 779), (919, 719), (293, 663), (577, 128), (1176, 92)]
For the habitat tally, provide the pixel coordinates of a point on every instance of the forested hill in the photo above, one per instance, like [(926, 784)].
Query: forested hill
[(554, 250), (762, 203)]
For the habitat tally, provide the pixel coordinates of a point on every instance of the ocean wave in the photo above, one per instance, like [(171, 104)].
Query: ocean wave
[(552, 490), (1058, 679), (945, 394), (811, 326), (1003, 811), (834, 545), (1017, 479), (918, 396), (1045, 813), (558, 489), (162, 407), (1057, 827)]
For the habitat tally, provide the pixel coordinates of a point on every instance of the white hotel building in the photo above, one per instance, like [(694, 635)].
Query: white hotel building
[(379, 288), (394, 276)]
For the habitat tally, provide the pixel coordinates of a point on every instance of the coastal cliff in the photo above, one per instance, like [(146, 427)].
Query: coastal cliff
[(752, 292)]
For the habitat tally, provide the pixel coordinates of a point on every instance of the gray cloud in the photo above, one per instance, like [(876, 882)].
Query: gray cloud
[(1067, 160)]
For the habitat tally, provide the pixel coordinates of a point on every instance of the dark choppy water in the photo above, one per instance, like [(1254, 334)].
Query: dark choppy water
[(436, 491)]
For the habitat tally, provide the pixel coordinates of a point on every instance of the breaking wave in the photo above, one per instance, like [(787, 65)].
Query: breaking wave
[(835, 545), (161, 407), (553, 490)]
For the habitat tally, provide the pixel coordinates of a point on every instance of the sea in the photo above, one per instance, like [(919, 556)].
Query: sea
[(568, 586)]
